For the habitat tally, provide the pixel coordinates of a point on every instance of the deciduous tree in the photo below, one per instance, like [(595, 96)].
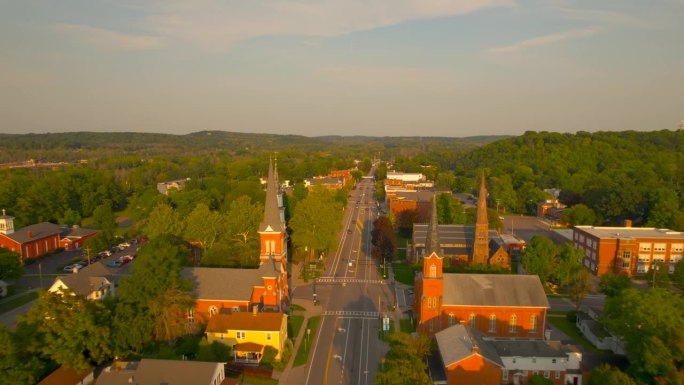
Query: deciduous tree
[(10, 265), (164, 221), (539, 257), (316, 222), (614, 284), (609, 375)]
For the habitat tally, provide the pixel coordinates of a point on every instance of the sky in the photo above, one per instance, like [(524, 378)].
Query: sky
[(341, 67)]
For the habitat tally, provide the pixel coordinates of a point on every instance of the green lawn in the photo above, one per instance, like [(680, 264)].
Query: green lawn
[(404, 273), (305, 347), (15, 302), (294, 325), (569, 328), (296, 307)]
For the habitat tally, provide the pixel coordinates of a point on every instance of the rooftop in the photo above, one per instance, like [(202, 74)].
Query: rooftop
[(38, 231), (630, 232), (494, 290), (226, 283), (158, 372), (457, 342), (245, 321)]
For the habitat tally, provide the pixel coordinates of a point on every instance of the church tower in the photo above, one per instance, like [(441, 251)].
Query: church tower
[(481, 235), (272, 233), (431, 286), (6, 223)]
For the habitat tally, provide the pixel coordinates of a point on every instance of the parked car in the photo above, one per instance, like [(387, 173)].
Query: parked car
[(133, 241), (105, 253), (124, 245), (114, 263), (125, 259)]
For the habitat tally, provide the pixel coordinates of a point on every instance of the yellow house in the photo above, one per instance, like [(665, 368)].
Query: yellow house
[(249, 333)]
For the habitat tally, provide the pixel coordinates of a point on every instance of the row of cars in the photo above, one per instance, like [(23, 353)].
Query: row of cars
[(75, 267)]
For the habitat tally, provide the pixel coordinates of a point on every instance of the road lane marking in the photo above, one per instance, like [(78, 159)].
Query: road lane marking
[(351, 313), (349, 280), (313, 354)]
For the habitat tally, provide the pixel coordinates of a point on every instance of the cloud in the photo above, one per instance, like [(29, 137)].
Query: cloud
[(107, 39), (219, 25), (544, 40)]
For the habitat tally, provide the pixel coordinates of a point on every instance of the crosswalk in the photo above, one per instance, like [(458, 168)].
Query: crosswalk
[(348, 280), (352, 313)]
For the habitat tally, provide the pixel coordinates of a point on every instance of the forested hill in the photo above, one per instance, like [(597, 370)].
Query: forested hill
[(87, 145), (618, 175)]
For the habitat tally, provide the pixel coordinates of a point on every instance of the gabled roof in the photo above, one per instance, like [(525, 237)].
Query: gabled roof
[(88, 279), (456, 343), (271, 222), (78, 232), (494, 290), (245, 321), (215, 283), (158, 372), (38, 231)]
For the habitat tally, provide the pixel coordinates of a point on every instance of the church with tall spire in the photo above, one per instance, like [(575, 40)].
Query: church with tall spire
[(264, 289), (465, 245), (498, 305)]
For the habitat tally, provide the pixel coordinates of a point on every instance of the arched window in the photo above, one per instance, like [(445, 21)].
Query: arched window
[(472, 321), (451, 319), (272, 246), (433, 271), (533, 324), (513, 324), (492, 323), (213, 310)]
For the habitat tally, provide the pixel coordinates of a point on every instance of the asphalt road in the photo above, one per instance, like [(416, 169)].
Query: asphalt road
[(347, 350)]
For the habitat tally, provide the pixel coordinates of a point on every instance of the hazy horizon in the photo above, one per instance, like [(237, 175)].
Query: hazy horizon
[(408, 68)]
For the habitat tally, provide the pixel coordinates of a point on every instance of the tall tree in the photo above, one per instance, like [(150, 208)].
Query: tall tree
[(449, 210), (383, 239), (568, 264), (609, 375), (19, 363), (203, 226), (164, 220), (10, 265), (73, 331), (316, 222), (168, 309), (539, 257), (613, 284), (650, 324), (103, 217), (405, 362), (580, 214)]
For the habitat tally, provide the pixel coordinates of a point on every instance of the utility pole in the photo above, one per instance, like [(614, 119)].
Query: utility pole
[(87, 250)]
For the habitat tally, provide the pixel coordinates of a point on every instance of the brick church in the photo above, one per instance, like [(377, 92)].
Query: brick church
[(498, 305), (465, 244), (266, 288)]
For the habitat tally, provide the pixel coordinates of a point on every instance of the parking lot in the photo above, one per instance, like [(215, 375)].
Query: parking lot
[(42, 273)]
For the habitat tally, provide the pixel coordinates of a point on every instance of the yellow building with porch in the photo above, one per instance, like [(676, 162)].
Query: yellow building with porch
[(248, 334)]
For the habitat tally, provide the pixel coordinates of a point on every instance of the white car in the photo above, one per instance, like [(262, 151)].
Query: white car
[(124, 245), (106, 253)]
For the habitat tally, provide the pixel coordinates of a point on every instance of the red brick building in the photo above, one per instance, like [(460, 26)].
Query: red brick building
[(30, 241), (627, 250), (467, 357), (226, 290), (73, 238), (497, 305)]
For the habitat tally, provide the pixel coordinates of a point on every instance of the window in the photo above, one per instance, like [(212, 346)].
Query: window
[(433, 271), (191, 316), (546, 374), (236, 309), (241, 335), (268, 336), (451, 319), (557, 374), (213, 310), (553, 360), (677, 247), (513, 324), (472, 321), (432, 325), (534, 361), (221, 336), (492, 323), (627, 255), (505, 375), (644, 247), (659, 247), (533, 324)]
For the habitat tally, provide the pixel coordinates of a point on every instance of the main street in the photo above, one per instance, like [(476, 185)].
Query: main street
[(353, 295)]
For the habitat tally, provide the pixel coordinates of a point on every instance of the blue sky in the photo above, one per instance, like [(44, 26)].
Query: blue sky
[(346, 67)]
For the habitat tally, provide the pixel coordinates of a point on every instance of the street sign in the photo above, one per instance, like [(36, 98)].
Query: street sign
[(385, 323)]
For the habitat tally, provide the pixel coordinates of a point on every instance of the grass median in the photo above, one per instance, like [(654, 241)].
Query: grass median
[(305, 347), (17, 301)]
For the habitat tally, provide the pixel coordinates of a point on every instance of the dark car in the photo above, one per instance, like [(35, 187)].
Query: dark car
[(114, 263)]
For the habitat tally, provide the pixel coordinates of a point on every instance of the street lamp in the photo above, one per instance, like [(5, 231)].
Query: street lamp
[(655, 268)]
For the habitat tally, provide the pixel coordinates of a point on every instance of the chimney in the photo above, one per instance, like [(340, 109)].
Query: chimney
[(476, 349), (628, 223), (29, 234)]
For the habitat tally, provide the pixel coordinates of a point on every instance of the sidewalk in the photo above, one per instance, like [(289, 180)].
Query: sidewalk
[(296, 376)]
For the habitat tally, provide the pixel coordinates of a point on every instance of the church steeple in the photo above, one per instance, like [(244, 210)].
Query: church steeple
[(272, 229), (271, 221), (481, 241), (6, 223), (432, 244)]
